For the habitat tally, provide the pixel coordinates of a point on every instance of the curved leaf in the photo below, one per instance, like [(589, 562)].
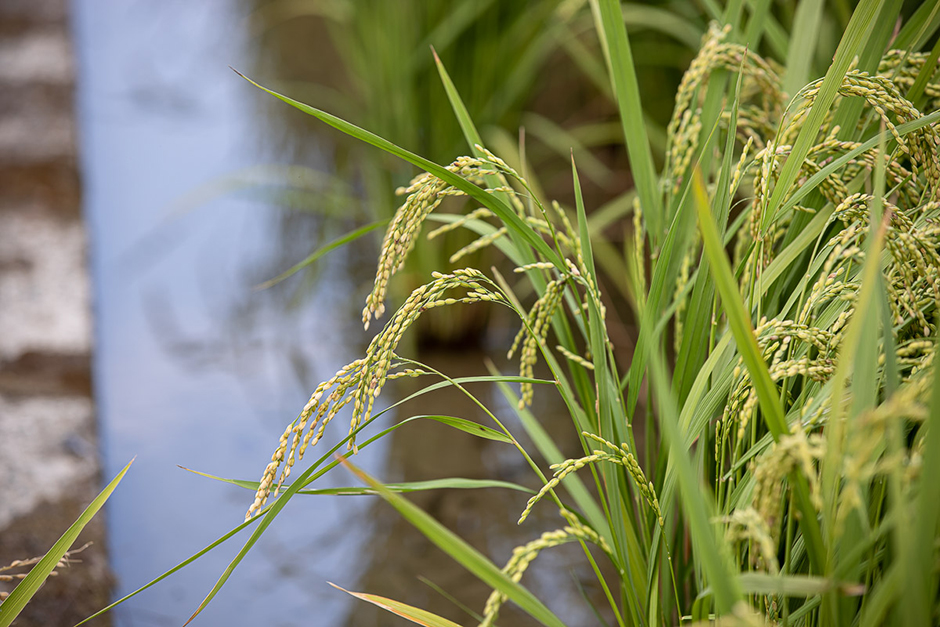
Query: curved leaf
[(25, 590), (457, 548), (414, 614)]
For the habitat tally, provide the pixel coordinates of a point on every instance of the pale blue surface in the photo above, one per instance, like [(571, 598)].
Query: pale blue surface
[(161, 114)]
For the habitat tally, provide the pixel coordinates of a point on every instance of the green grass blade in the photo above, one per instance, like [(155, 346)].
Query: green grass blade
[(341, 241), (503, 212), (463, 553), (469, 129), (664, 275), (853, 40), (453, 600), (848, 115), (806, 25), (732, 15), (664, 21), (920, 27), (880, 600), (612, 422), (455, 23), (413, 614), (584, 233), (711, 552), (757, 24), (451, 483), (24, 591), (500, 378), (918, 566), (924, 75), (740, 324), (692, 350), (777, 38), (627, 92), (179, 566), (793, 585), (471, 427)]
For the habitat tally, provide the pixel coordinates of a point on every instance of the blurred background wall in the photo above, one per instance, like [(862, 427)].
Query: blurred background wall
[(49, 467)]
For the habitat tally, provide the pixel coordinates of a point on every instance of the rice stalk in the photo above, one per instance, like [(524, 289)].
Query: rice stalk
[(809, 416)]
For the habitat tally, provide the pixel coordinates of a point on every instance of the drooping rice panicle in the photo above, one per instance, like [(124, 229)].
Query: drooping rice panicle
[(532, 334), (524, 555), (578, 359), (424, 194), (360, 382), (476, 214)]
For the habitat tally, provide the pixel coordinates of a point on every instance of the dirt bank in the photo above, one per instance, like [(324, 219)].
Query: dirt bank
[(49, 462)]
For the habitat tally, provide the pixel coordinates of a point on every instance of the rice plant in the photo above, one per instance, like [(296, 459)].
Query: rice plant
[(373, 65), (781, 467)]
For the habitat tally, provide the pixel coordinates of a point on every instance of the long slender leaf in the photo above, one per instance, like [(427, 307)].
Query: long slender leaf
[(664, 276), (469, 129), (451, 483), (806, 25), (740, 324), (663, 20), (627, 91), (920, 27), (341, 241), (852, 41), (505, 213), (611, 420), (793, 585), (24, 591), (697, 504), (466, 555), (692, 349), (919, 572), (413, 614)]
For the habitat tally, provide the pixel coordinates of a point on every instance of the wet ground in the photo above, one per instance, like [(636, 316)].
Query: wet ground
[(49, 460)]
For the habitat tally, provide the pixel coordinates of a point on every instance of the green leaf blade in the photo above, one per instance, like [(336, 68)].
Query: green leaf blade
[(458, 549), (627, 92), (414, 614), (24, 591)]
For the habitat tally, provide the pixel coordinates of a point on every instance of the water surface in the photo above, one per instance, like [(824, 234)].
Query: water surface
[(196, 368)]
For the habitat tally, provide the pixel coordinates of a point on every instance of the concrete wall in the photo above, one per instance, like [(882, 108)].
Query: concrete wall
[(49, 465)]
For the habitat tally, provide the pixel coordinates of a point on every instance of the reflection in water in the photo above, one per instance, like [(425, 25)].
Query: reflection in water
[(195, 367)]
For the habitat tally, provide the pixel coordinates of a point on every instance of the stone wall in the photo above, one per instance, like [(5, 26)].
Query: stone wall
[(49, 463)]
